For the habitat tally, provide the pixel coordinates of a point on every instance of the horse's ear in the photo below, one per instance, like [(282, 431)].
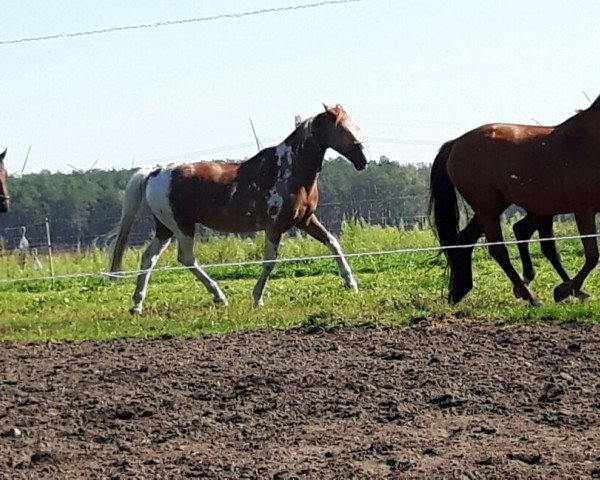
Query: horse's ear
[(2, 155), (325, 107)]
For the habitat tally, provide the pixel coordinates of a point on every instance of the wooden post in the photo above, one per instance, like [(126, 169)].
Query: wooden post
[(49, 243)]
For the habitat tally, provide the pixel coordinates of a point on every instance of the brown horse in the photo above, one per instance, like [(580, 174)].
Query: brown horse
[(544, 170), (273, 191), (4, 196)]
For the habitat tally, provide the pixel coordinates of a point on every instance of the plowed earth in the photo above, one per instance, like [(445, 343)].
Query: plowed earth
[(451, 399)]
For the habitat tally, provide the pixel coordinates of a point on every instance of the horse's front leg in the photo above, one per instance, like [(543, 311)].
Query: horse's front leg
[(548, 247), (272, 240), (185, 255), (586, 225), (493, 233), (316, 230)]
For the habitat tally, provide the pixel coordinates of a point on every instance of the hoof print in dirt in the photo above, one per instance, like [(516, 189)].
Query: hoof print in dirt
[(394, 355), (528, 458), (483, 430), (430, 451), (553, 392), (42, 457), (447, 400), (398, 464)]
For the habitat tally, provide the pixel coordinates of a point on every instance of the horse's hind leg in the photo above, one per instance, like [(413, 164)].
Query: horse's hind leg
[(493, 233), (185, 255), (157, 246), (587, 226), (316, 230), (524, 230), (272, 240)]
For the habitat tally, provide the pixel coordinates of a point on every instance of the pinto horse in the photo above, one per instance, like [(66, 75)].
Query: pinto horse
[(4, 196), (545, 170), (273, 191)]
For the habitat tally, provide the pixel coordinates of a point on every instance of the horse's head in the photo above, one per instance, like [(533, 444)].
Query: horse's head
[(339, 132), (4, 196)]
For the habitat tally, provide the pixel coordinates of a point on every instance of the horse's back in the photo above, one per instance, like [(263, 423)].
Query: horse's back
[(206, 172), (499, 163)]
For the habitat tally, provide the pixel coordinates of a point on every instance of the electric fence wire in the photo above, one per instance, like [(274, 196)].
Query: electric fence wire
[(167, 23), (398, 251)]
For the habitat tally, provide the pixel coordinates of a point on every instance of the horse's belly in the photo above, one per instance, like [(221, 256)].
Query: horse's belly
[(232, 223), (540, 194)]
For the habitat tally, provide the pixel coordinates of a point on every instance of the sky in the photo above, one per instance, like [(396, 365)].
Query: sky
[(411, 74)]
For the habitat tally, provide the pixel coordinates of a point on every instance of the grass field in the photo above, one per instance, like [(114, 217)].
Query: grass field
[(393, 289)]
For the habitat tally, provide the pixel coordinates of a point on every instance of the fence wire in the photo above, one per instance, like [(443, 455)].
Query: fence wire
[(412, 250)]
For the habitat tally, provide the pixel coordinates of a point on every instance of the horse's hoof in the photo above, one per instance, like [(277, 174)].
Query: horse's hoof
[(535, 302), (353, 287), (455, 297), (581, 295), (523, 293), (527, 279), (135, 310), (562, 291), (258, 303), (221, 301)]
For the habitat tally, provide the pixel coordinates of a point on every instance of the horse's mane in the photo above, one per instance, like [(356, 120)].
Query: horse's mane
[(339, 112), (579, 115)]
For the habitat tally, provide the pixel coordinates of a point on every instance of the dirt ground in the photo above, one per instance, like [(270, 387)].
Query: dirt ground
[(439, 399)]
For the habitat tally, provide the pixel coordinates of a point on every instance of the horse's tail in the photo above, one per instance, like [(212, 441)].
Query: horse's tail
[(134, 194), (443, 203), (443, 207)]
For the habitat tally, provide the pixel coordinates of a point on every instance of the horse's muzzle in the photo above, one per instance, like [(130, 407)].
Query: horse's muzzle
[(4, 205), (357, 157)]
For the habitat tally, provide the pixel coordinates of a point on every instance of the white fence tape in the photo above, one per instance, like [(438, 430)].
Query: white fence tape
[(133, 273)]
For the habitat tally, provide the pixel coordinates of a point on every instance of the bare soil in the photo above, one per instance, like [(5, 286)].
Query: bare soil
[(439, 399)]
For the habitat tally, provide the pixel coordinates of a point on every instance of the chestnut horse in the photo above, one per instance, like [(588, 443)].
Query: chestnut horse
[(545, 170), (273, 191), (4, 196)]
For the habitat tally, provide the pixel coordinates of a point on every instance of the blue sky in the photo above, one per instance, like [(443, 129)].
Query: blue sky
[(421, 71)]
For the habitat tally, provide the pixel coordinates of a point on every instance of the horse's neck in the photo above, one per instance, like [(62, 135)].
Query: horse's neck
[(306, 154), (581, 129)]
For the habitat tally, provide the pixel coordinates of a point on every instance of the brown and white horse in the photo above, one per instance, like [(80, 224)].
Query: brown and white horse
[(4, 196), (273, 191)]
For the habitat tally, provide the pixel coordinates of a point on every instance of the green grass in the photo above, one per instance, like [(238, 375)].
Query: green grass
[(393, 290)]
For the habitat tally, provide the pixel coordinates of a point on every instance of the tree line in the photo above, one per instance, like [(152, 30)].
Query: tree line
[(84, 206)]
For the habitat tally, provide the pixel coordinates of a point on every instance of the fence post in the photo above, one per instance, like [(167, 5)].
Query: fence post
[(49, 242)]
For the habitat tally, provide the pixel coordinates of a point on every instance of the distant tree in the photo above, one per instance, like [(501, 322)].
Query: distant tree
[(84, 205)]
